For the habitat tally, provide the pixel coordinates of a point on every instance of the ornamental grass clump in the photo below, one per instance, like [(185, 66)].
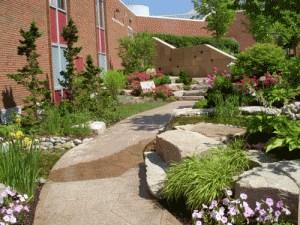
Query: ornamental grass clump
[(201, 178), (19, 160)]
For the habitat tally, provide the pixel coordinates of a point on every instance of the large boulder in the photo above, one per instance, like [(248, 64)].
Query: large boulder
[(278, 181), (156, 169), (174, 145)]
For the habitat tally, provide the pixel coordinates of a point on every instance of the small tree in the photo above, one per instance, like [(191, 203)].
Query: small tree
[(87, 83), (28, 76), (220, 18), (69, 34), (137, 53)]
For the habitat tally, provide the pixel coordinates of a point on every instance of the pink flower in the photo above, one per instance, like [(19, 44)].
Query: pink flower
[(208, 76), (225, 71), (204, 80)]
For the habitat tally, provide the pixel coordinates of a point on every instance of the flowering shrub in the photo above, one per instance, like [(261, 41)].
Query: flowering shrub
[(14, 210), (220, 84), (137, 88), (235, 209), (162, 92), (148, 93), (144, 76)]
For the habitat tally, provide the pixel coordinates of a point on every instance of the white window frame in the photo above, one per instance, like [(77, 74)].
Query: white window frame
[(56, 6), (99, 12)]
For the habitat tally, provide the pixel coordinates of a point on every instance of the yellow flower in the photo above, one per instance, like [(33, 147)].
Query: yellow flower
[(12, 134), (18, 120), (19, 135), (28, 143)]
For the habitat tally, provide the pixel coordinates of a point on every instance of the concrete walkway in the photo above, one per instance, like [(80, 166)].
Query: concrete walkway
[(118, 200)]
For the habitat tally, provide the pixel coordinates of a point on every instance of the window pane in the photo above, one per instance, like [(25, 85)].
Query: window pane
[(53, 3), (61, 4), (97, 16), (101, 14)]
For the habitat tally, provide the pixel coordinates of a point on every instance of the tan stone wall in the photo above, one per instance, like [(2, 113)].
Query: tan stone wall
[(196, 61)]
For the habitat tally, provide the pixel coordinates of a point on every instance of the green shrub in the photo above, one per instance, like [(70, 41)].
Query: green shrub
[(114, 82), (178, 81), (223, 85), (201, 104), (184, 78), (258, 60), (161, 81), (187, 87), (291, 72)]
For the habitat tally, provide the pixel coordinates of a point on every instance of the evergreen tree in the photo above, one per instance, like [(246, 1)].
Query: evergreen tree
[(87, 83), (69, 35), (28, 76)]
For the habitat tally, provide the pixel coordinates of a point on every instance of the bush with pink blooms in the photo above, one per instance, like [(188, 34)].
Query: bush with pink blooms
[(220, 84), (162, 92), (143, 76)]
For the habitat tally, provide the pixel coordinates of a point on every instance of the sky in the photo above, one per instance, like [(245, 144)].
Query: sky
[(163, 7)]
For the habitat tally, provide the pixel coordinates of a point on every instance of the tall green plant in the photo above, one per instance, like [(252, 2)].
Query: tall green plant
[(69, 34), (87, 83), (28, 75), (114, 82), (220, 18), (137, 53)]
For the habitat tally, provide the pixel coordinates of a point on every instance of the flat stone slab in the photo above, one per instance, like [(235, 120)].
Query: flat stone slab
[(191, 98), (194, 93), (172, 145), (156, 169), (215, 131), (275, 181)]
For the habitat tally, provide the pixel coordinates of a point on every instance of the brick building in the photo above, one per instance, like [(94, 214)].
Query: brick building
[(100, 24)]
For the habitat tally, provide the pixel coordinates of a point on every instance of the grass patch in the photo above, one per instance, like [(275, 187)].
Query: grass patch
[(126, 111)]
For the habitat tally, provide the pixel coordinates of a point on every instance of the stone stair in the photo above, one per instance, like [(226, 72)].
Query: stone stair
[(196, 93)]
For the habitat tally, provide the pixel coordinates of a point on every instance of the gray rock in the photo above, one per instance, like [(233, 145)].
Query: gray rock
[(72, 144), (174, 145), (77, 141), (276, 182), (58, 146), (52, 140), (155, 172), (47, 144), (62, 141), (297, 104), (67, 145)]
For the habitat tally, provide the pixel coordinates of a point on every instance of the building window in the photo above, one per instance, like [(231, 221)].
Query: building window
[(100, 13), (61, 4), (130, 32)]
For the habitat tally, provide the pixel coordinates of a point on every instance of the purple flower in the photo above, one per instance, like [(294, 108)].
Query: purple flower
[(277, 213), (243, 196), (269, 202), (225, 201), (262, 212), (279, 204), (229, 192)]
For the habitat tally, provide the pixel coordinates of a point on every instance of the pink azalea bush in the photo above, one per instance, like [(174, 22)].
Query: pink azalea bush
[(163, 92), (144, 76), (137, 78)]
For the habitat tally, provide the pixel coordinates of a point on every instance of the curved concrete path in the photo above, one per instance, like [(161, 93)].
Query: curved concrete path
[(118, 200)]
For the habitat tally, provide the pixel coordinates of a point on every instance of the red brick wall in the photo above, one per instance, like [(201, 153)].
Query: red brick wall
[(16, 15), (172, 26), (83, 14), (115, 31), (236, 31)]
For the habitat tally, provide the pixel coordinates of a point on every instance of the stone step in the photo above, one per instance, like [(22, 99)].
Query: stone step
[(191, 98), (194, 93)]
